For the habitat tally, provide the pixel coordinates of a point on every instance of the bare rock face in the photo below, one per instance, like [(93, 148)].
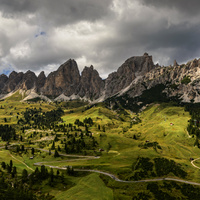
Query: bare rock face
[(19, 81), (3, 80), (175, 63), (136, 75), (91, 85), (64, 80), (133, 67), (41, 80), (13, 81), (181, 81), (29, 81)]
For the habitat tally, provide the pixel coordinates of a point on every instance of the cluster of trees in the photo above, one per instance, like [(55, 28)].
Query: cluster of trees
[(44, 174), (159, 193), (193, 127), (7, 132), (18, 192), (10, 168), (163, 190), (75, 143), (87, 122), (12, 187), (185, 191), (155, 145), (21, 187), (164, 166), (38, 118), (144, 168)]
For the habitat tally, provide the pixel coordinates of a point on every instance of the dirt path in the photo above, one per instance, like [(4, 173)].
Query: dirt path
[(188, 133), (22, 162), (192, 162)]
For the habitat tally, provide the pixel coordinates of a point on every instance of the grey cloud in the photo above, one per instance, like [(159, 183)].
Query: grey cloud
[(129, 32), (165, 42), (190, 7), (56, 12)]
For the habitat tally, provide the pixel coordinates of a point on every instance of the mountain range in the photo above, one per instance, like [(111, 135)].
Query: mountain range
[(135, 76)]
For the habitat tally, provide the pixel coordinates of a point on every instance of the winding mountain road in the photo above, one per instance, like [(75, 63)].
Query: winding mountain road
[(109, 174), (102, 172)]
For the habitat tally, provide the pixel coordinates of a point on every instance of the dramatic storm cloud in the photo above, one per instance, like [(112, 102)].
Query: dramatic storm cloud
[(42, 34)]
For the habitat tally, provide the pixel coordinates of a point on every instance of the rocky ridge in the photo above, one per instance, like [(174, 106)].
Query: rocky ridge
[(133, 77)]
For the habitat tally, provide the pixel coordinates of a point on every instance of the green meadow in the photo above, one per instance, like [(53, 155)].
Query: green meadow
[(161, 132), (90, 187)]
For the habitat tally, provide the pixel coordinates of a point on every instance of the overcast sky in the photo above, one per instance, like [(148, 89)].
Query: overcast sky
[(42, 34)]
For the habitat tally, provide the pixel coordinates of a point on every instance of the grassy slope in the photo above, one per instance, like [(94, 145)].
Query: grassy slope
[(90, 187), (155, 127), (11, 108), (6, 157)]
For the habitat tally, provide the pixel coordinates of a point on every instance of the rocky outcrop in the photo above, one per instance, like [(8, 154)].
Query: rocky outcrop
[(91, 85), (13, 81), (41, 80), (3, 80), (19, 81), (125, 75), (181, 81), (65, 80), (136, 75), (29, 81)]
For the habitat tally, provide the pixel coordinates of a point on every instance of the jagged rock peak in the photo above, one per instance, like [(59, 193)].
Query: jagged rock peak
[(41, 80), (29, 81), (64, 80), (139, 64), (175, 64), (30, 74), (91, 85), (42, 75), (68, 64), (91, 67), (13, 74), (133, 67), (3, 80), (3, 76)]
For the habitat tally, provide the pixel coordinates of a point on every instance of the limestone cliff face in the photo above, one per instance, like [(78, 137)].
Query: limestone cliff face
[(29, 81), (64, 80), (19, 81), (125, 75), (91, 85), (182, 81), (135, 76), (13, 81), (3, 80), (41, 80)]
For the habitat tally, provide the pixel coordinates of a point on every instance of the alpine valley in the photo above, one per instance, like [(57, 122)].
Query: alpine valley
[(71, 135)]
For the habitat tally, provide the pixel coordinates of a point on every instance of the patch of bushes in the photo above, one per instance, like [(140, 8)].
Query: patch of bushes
[(158, 167), (174, 86), (186, 80)]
